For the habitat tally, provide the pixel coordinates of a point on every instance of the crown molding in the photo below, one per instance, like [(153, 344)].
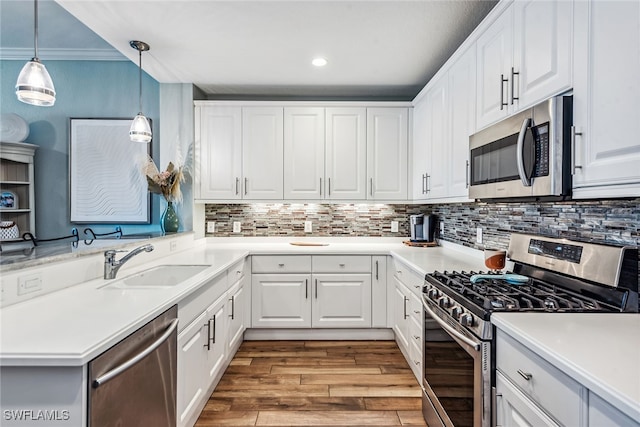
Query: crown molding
[(21, 54)]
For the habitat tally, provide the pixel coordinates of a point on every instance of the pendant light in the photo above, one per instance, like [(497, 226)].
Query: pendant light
[(140, 129), (34, 84)]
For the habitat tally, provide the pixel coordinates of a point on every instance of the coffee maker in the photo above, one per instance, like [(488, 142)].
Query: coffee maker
[(422, 227)]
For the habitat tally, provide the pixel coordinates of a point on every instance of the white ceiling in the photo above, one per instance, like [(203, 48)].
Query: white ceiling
[(376, 49)]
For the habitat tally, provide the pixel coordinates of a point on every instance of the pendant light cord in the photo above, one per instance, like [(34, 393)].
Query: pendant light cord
[(35, 29), (140, 82)]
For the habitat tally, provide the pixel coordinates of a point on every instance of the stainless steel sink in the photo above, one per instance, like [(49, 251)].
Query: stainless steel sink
[(162, 276)]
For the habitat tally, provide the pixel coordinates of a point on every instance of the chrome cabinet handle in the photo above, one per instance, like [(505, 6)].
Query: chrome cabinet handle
[(513, 84), (208, 344), (526, 375), (321, 186), (427, 181), (502, 82), (377, 277), (138, 357), (424, 183), (316, 288), (417, 363), (574, 133), (467, 170), (245, 185), (341, 265), (416, 337), (306, 288), (405, 307), (233, 307), (237, 184), (371, 186), (416, 311), (281, 265), (329, 182), (526, 124), (213, 338)]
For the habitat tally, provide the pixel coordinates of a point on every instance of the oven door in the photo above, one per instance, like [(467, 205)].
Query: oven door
[(457, 373)]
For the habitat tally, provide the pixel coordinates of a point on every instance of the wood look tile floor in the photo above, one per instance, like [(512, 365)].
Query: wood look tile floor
[(315, 383)]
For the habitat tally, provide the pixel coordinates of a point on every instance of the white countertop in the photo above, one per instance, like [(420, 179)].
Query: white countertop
[(72, 326), (600, 351)]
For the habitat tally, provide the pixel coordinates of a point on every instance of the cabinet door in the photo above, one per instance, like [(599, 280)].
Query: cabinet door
[(401, 314), (218, 152), (217, 335), (494, 49), (346, 154), (420, 153), (192, 356), (341, 301), (281, 301), (605, 97), (303, 153), (542, 41), (387, 146), (515, 409), (262, 150), (236, 314), (438, 144), (462, 89)]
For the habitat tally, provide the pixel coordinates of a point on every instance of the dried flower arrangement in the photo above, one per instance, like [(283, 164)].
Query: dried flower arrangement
[(166, 183)]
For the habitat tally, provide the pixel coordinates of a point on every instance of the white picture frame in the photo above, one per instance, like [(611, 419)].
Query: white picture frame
[(105, 173)]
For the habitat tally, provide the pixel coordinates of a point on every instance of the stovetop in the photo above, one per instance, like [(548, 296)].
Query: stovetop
[(492, 295)]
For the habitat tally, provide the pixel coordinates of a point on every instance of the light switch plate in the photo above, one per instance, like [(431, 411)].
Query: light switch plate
[(211, 226), (308, 227), (237, 227), (28, 284), (394, 226), (479, 235)]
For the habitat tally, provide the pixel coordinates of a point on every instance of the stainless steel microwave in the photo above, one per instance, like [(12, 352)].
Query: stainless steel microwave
[(525, 156)]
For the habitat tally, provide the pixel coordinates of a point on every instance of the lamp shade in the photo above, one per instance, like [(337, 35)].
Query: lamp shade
[(140, 129), (34, 85)]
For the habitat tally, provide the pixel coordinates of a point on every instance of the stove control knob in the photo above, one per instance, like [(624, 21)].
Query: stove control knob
[(444, 302), (457, 312), (434, 294), (466, 319)]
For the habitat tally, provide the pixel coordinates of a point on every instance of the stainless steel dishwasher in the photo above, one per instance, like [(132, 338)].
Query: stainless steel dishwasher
[(134, 382)]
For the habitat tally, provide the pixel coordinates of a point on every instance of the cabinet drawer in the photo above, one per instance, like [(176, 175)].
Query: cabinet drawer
[(550, 388), (281, 264), (415, 360), (415, 309), (341, 264), (411, 279), (237, 271), (415, 333)]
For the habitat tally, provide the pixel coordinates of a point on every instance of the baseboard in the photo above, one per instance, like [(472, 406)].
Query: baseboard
[(255, 334)]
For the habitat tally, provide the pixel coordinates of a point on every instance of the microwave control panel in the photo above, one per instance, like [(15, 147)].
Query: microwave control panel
[(542, 150)]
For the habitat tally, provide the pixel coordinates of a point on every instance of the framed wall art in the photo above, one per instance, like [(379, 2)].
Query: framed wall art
[(106, 180)]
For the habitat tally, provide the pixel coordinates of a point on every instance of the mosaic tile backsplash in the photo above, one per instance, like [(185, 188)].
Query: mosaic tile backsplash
[(602, 221)]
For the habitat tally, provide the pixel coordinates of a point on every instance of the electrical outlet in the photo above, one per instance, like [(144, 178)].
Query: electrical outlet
[(479, 235), (308, 227), (394, 226), (28, 284), (237, 227), (173, 246), (211, 227)]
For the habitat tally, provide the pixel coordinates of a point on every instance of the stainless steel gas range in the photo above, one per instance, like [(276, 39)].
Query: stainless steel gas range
[(560, 276)]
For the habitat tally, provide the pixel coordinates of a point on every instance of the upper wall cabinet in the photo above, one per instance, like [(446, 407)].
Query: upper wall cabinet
[(238, 152), (605, 100), (523, 57), (387, 148)]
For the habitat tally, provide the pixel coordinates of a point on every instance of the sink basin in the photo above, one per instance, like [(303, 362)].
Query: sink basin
[(162, 276)]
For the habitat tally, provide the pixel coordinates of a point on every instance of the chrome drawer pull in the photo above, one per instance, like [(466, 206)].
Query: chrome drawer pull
[(527, 376), (280, 265)]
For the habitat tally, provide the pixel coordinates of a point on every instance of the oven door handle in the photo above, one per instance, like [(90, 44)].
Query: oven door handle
[(526, 124), (475, 345)]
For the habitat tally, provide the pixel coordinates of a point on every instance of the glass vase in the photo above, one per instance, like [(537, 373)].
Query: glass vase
[(169, 220)]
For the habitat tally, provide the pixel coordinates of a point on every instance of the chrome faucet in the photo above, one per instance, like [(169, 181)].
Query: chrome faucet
[(111, 266)]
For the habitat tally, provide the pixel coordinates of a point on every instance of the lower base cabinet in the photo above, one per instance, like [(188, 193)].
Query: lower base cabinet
[(515, 409)]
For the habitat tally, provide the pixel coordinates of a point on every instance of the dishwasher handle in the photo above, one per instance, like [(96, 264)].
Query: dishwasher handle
[(137, 358)]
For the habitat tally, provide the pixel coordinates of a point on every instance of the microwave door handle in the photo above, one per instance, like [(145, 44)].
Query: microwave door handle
[(526, 181)]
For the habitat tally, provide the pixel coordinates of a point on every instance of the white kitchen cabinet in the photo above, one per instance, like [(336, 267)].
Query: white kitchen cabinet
[(280, 301), (514, 409), (346, 154), (262, 152), (320, 291), (401, 304), (236, 313), (523, 58), (387, 150), (201, 358), (605, 99), (304, 139), (420, 149), (379, 291), (341, 301), (603, 414), (438, 144)]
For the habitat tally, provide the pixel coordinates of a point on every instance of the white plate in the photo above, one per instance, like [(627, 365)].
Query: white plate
[(13, 128)]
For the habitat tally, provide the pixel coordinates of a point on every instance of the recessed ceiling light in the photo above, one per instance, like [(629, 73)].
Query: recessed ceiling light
[(319, 62)]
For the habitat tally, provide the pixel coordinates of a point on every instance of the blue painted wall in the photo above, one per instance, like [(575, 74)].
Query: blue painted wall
[(85, 89)]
